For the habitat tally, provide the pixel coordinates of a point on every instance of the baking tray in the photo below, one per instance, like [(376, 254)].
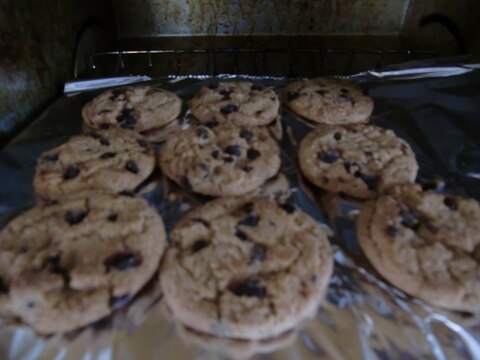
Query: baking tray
[(362, 317)]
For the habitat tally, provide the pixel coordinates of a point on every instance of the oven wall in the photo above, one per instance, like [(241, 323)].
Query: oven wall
[(37, 40), (252, 17)]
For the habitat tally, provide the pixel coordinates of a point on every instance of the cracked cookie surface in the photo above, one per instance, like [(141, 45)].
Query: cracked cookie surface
[(358, 160), (242, 103), (247, 268), (328, 101), (65, 265), (139, 108), (220, 159), (425, 243), (115, 160)]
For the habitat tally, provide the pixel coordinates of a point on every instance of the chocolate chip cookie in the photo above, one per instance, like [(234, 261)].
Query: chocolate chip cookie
[(425, 243), (242, 103), (359, 160), (67, 264), (218, 160), (246, 268), (328, 101), (115, 160), (139, 108)]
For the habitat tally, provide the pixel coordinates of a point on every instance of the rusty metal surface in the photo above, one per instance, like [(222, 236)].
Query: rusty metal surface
[(252, 17), (37, 39)]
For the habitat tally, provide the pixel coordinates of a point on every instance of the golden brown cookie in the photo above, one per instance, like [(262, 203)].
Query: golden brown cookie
[(425, 243), (70, 263), (114, 160), (329, 101), (220, 160), (246, 268), (358, 160), (242, 103)]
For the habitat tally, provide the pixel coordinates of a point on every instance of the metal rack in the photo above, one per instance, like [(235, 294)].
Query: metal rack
[(263, 62)]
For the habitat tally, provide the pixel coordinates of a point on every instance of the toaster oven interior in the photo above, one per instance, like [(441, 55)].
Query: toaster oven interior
[(44, 44)]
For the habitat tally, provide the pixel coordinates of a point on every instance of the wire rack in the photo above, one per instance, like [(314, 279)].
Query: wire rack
[(261, 62)]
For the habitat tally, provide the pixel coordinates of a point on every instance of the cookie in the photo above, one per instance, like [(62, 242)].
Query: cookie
[(328, 101), (139, 108), (359, 160), (115, 160), (220, 159), (425, 243), (67, 264), (246, 268), (242, 103)]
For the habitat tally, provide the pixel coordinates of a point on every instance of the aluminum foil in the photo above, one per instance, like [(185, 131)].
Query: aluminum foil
[(362, 316)]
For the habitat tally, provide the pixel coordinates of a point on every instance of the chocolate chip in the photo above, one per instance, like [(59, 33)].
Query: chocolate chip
[(321, 92), (241, 235), (247, 168), (370, 180), (451, 203), (343, 90), (108, 155), (348, 98), (231, 108), (50, 158), (246, 134), (391, 230), (112, 217), (3, 287), (142, 143), (201, 221), (368, 154), (289, 206), (251, 220), (199, 245), (292, 95), (225, 94), (30, 304), (329, 156), (71, 172), (186, 183), (202, 133), (104, 126), (127, 193), (216, 154), (211, 124), (132, 167), (313, 278), (74, 217), (248, 207), (410, 219), (117, 302), (228, 159), (257, 87), (126, 117), (251, 288), (252, 154), (122, 261), (94, 135), (233, 150), (212, 86), (104, 141), (337, 136), (202, 166), (259, 253), (53, 264)]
